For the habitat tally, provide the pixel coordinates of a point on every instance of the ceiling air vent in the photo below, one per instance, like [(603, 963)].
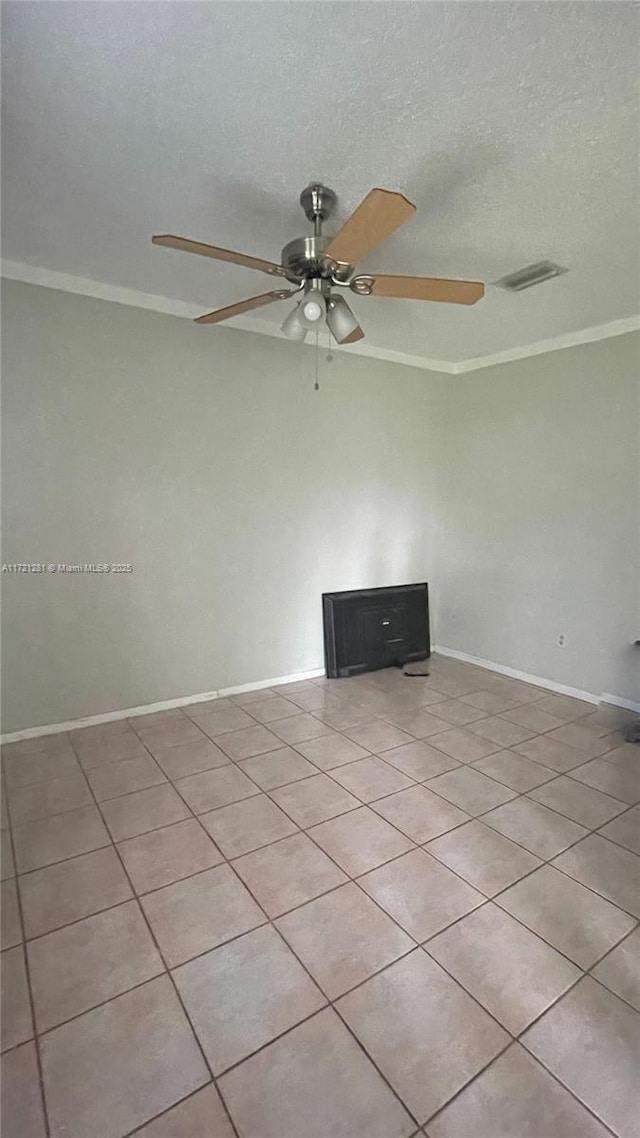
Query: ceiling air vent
[(531, 275)]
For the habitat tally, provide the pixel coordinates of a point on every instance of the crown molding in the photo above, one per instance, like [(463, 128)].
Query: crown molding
[(555, 344), (99, 290)]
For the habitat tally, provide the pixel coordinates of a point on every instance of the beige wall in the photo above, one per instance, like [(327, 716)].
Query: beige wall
[(540, 519), (205, 458)]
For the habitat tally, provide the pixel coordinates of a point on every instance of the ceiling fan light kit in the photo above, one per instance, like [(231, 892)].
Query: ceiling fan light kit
[(318, 264)]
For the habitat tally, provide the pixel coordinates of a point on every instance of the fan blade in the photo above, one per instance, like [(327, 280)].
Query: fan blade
[(377, 216), (184, 245), (244, 306), (356, 335), (420, 288)]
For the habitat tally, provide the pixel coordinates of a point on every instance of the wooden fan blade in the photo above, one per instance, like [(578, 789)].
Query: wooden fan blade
[(244, 306), (377, 216), (357, 334), (184, 245), (424, 288)]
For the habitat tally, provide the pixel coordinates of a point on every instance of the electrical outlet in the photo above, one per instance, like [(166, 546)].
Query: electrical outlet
[(562, 640)]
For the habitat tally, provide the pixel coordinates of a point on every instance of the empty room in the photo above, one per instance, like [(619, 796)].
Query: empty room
[(320, 689)]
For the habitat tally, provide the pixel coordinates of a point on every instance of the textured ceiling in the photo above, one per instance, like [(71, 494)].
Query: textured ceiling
[(512, 126)]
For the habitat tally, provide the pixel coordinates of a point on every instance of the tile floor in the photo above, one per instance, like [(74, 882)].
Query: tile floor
[(369, 908)]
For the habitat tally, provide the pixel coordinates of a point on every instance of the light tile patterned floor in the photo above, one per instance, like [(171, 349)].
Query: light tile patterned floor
[(359, 907)]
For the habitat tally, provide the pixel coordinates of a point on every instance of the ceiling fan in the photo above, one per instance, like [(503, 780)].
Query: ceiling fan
[(319, 264)]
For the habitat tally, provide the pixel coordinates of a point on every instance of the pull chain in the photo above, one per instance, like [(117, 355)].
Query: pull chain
[(316, 386)]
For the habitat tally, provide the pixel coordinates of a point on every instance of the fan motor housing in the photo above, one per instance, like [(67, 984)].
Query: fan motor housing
[(303, 258)]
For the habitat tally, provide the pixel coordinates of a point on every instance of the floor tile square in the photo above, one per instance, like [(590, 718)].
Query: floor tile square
[(606, 868), (457, 713), (109, 748), (625, 830), (10, 915), (343, 938), (500, 731), (581, 803), (273, 708), (111, 780), (54, 839), (378, 736), (15, 1021), (514, 770), (512, 972), (491, 702), (299, 728), (591, 1040), (247, 825), (360, 840), (314, 800), (483, 857), (462, 745), (470, 790), (535, 827), (426, 1035), (213, 788), (419, 813), (288, 873), (66, 892), (420, 893), (418, 722), (420, 761), (41, 745), (614, 774), (556, 756), (452, 686), (44, 799), (241, 996), (349, 715), (170, 733), (564, 707), (277, 768), (199, 913), (200, 1116), (569, 916), (190, 758), (317, 1073), (534, 717), (167, 855), (221, 720), (89, 962), (331, 751), (23, 770), (590, 741), (95, 1083), (620, 970), (168, 716), (22, 1113), (515, 1097), (248, 742), (145, 810), (371, 778)]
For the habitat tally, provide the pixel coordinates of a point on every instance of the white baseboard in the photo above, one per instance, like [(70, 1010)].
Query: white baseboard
[(147, 709), (514, 674), (618, 701)]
